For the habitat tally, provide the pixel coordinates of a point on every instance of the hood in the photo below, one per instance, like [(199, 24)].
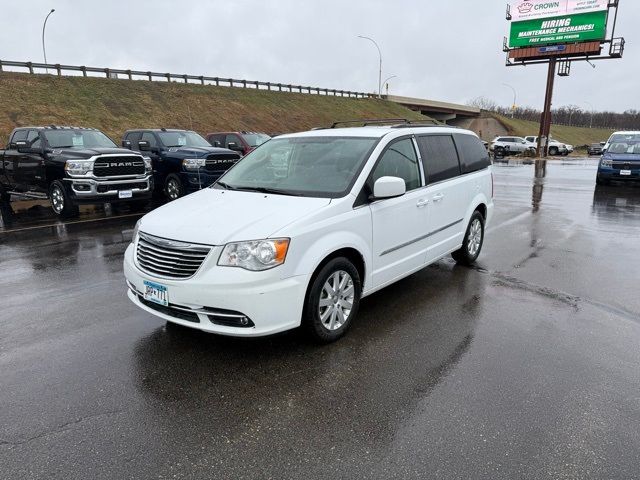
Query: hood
[(196, 152), (622, 157), (216, 217), (91, 152)]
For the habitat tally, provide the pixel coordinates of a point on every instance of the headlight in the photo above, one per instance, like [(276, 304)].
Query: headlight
[(606, 163), (256, 255), (78, 167), (148, 166), (193, 163)]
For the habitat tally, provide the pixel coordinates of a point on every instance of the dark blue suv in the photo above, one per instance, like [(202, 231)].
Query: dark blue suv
[(183, 161), (621, 159)]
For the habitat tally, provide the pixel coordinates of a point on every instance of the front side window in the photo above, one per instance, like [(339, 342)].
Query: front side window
[(398, 160), (19, 136), (149, 137), (307, 166), (77, 139), (182, 139), (439, 157), (33, 139)]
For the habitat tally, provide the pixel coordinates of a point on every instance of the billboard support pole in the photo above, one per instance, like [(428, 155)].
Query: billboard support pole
[(545, 118)]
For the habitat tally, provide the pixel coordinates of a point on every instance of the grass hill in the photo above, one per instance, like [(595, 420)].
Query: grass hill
[(115, 105), (577, 136)]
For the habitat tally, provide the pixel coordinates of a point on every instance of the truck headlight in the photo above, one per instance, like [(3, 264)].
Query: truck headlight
[(606, 163), (255, 255), (78, 167), (148, 166), (193, 163)]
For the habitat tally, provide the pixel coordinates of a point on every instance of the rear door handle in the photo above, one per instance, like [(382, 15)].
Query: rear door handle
[(422, 203), (438, 198)]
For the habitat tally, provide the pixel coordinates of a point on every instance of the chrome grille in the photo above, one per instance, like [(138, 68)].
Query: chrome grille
[(167, 258)]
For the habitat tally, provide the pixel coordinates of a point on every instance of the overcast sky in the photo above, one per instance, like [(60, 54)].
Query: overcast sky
[(446, 50)]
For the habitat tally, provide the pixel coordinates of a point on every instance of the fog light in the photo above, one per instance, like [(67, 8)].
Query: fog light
[(244, 321), (81, 187)]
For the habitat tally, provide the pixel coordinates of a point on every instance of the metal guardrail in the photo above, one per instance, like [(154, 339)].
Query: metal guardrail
[(41, 68)]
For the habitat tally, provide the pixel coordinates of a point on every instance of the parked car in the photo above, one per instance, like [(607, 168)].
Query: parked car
[(621, 161), (242, 142), (621, 137), (503, 146), (72, 166), (594, 149), (183, 161), (555, 147), (306, 225)]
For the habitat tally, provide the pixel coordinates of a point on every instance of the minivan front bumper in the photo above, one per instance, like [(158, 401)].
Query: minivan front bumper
[(271, 304)]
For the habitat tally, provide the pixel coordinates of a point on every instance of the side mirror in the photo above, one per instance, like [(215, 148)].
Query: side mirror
[(22, 146), (234, 146), (126, 144), (389, 187), (144, 146)]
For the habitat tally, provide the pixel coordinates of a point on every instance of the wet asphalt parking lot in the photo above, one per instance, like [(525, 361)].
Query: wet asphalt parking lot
[(526, 366)]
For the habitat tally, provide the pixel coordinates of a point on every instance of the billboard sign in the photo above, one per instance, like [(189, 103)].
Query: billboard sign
[(542, 22)]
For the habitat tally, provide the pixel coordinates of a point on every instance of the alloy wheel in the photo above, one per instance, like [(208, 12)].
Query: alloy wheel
[(336, 300), (475, 237), (57, 199), (173, 189)]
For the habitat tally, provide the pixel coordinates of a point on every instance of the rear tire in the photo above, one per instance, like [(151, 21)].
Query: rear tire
[(553, 151), (173, 188), (61, 203), (332, 301), (472, 242)]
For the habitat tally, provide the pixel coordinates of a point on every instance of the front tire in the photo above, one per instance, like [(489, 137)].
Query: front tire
[(332, 301), (473, 240), (173, 188), (553, 151), (61, 202)]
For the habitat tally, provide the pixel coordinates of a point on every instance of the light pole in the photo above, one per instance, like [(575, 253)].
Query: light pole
[(515, 97), (44, 25), (380, 69), (591, 117), (386, 82)]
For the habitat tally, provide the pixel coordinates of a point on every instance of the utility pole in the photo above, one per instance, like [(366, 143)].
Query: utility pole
[(545, 121), (515, 97), (44, 25)]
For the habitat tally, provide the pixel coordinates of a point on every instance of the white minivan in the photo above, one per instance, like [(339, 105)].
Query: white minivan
[(306, 225)]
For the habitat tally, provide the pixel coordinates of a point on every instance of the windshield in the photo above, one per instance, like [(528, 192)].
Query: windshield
[(625, 138), (630, 147), (255, 139), (78, 139), (308, 166), (182, 139)]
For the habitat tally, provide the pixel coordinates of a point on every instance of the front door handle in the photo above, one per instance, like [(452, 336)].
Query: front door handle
[(438, 198), (422, 203)]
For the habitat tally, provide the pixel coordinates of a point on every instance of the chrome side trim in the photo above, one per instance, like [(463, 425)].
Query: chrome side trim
[(420, 238)]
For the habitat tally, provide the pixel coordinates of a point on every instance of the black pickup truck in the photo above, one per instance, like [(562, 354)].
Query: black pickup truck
[(70, 166), (183, 161)]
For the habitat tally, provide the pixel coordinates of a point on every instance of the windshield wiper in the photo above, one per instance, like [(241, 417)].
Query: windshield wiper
[(226, 186), (275, 191)]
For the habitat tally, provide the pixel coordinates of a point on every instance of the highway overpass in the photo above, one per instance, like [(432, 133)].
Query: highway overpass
[(443, 111)]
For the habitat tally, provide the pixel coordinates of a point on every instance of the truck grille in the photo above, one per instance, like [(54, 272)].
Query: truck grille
[(166, 258), (118, 166), (626, 165), (220, 162)]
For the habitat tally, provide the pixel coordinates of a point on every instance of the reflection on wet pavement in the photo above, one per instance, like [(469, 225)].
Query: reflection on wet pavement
[(525, 366)]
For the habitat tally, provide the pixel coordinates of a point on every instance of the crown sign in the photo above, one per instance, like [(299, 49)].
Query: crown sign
[(525, 7)]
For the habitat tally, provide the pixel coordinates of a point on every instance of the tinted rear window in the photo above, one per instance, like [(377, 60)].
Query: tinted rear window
[(439, 157), (473, 155)]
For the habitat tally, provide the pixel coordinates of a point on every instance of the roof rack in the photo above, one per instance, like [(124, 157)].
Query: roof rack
[(422, 123), (367, 122)]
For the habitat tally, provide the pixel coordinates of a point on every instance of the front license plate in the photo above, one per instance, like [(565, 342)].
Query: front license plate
[(156, 293), (625, 172), (125, 194)]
